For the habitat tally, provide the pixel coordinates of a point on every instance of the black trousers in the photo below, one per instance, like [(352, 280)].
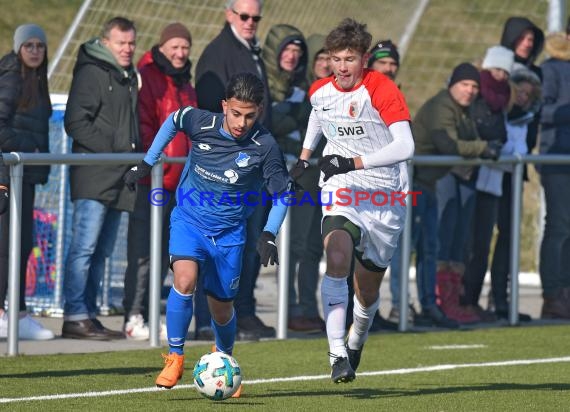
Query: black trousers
[(486, 212), (26, 236)]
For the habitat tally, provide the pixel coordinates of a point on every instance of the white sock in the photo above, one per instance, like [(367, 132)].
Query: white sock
[(334, 298), (362, 320)]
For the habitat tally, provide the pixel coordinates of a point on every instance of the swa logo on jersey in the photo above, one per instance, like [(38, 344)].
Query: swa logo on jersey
[(347, 130)]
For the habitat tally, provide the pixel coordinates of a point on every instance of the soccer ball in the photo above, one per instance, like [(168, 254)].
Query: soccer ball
[(217, 376)]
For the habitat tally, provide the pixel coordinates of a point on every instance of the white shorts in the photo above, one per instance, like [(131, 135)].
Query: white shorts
[(380, 228)]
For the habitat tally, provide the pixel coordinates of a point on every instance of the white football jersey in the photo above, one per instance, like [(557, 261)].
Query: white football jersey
[(355, 123)]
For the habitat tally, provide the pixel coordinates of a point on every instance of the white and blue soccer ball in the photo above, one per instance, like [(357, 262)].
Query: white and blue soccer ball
[(217, 376)]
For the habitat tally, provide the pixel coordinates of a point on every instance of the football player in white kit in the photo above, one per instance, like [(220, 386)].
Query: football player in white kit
[(365, 120)]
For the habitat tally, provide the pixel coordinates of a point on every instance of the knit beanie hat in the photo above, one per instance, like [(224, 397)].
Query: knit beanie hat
[(384, 48), (464, 71), (26, 32), (175, 30), (499, 57)]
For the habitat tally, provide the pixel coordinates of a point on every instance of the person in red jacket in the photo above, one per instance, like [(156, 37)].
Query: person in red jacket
[(165, 78)]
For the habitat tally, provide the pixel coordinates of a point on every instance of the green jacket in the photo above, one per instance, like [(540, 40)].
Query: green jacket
[(287, 116), (101, 117), (443, 127)]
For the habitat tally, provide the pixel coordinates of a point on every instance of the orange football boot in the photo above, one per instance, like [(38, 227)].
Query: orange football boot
[(172, 372)]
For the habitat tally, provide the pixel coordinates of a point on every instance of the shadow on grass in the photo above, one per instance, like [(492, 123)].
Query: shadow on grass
[(79, 372), (371, 393)]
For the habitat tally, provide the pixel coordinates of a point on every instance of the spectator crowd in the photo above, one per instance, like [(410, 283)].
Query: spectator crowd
[(502, 103)]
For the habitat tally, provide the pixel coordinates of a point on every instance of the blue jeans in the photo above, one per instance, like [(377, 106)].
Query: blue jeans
[(94, 232), (424, 241), (456, 203)]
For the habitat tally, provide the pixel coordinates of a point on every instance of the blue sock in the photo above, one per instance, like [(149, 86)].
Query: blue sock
[(179, 309), (225, 334)]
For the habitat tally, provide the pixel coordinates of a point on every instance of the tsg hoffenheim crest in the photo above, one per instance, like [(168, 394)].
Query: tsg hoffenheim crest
[(242, 160)]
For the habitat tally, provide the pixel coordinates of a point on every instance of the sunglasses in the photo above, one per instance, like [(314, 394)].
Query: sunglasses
[(29, 47), (246, 17)]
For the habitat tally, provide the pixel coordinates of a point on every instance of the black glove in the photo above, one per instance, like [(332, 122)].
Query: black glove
[(267, 249), (136, 173), (4, 200), (297, 171), (493, 150), (335, 165)]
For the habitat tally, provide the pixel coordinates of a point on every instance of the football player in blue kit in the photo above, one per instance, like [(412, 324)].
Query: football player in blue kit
[(232, 157)]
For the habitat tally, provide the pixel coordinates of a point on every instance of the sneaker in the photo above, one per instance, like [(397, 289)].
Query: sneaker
[(172, 372), (237, 394), (136, 329), (28, 328), (33, 330), (341, 371), (354, 356)]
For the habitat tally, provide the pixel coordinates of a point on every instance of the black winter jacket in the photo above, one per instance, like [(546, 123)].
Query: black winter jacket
[(101, 117), (21, 130), (220, 60)]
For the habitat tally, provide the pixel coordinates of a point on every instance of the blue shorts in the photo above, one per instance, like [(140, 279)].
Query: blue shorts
[(219, 258)]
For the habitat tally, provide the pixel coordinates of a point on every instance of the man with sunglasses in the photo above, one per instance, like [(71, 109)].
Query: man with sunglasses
[(237, 50)]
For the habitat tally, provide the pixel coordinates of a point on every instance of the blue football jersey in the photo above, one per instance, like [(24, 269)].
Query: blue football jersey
[(224, 177)]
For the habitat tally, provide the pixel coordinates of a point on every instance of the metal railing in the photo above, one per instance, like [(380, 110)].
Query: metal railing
[(16, 161)]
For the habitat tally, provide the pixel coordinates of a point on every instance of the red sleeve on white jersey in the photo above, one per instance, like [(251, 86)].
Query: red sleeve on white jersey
[(317, 84), (386, 98)]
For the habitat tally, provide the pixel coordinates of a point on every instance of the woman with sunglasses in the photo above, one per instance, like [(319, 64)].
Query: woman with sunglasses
[(25, 109)]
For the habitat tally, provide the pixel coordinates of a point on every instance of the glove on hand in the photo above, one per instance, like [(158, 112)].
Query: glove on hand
[(4, 199), (335, 165), (299, 168), (267, 249), (136, 173), (493, 150)]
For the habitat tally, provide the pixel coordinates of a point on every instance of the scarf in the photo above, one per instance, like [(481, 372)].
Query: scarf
[(180, 76)]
